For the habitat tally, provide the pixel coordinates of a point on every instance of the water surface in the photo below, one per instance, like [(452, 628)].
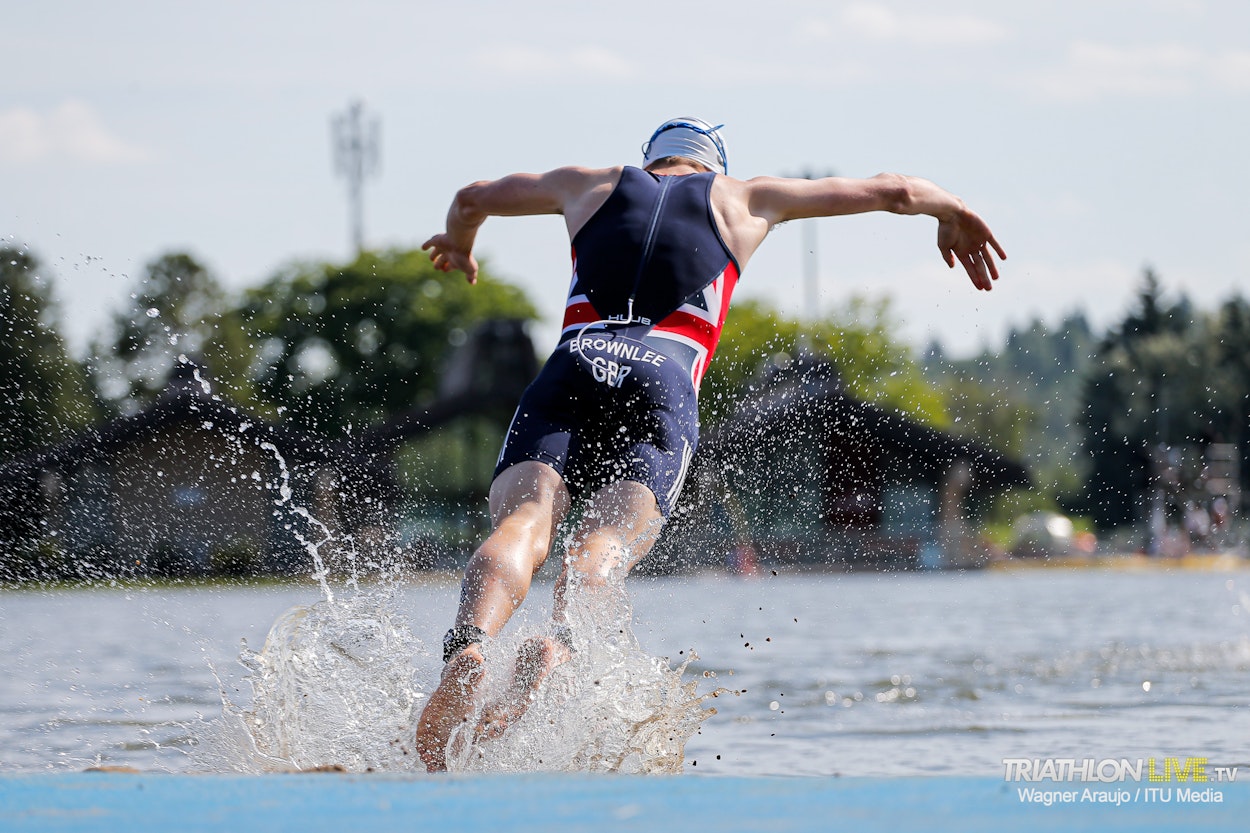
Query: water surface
[(881, 674)]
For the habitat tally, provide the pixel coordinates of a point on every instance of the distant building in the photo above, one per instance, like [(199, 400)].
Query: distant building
[(802, 473), (194, 485), (187, 486)]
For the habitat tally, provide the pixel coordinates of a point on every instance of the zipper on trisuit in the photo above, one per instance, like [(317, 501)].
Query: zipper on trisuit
[(648, 244)]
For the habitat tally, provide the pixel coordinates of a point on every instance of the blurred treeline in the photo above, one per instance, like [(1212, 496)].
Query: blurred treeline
[(333, 347), (1089, 411), (323, 346)]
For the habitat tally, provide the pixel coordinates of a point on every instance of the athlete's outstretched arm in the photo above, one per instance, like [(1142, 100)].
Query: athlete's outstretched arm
[(555, 192), (962, 235)]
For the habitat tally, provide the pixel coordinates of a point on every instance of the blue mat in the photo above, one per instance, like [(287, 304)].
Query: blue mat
[(134, 803)]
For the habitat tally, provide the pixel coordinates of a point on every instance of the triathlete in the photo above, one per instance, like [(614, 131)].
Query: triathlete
[(612, 417)]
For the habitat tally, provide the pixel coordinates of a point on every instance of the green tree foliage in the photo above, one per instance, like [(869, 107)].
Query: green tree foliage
[(43, 392), (1230, 334), (1023, 398), (177, 306), (875, 367), (1166, 376), (992, 414), (337, 345)]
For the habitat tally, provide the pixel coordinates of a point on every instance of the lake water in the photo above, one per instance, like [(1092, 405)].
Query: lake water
[(881, 674)]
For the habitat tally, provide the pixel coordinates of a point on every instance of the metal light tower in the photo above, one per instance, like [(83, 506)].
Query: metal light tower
[(811, 273), (356, 156)]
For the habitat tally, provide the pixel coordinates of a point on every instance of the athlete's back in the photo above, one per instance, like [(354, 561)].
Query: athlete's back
[(655, 242)]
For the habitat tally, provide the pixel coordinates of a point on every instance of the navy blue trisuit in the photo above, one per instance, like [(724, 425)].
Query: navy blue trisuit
[(618, 398)]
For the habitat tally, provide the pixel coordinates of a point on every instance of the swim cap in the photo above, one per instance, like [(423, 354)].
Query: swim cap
[(690, 138)]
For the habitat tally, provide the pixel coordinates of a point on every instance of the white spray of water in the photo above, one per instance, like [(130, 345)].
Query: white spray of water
[(336, 684), (320, 573), (611, 708)]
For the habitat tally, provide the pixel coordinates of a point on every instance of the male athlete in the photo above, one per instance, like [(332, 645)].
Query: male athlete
[(612, 417)]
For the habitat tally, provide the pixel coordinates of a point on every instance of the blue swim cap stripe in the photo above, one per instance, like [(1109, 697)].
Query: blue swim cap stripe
[(694, 139)]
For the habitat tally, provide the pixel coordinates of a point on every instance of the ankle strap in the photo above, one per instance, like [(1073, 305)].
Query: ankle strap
[(459, 638)]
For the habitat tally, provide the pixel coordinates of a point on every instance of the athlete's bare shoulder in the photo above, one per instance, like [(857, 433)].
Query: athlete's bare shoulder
[(578, 177), (742, 230), (586, 190)]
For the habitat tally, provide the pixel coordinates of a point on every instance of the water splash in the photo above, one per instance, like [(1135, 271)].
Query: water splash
[(313, 548), (334, 685), (611, 708), (337, 684)]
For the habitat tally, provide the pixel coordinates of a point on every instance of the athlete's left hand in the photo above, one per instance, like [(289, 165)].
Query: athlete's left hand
[(446, 255), (966, 238)]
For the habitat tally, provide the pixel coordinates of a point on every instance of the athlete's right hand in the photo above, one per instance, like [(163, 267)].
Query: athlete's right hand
[(446, 256), (964, 238)]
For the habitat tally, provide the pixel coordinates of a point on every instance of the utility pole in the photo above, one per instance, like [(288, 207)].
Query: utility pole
[(811, 265), (356, 156)]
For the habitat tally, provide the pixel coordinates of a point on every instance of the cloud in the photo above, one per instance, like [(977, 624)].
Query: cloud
[(71, 132), (869, 20), (601, 62), (1098, 70), (530, 63), (1231, 71)]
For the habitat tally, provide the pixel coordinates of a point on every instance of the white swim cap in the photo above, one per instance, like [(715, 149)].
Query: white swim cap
[(690, 138)]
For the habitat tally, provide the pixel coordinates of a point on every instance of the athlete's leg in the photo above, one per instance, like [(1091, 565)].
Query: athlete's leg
[(528, 502), (620, 525)]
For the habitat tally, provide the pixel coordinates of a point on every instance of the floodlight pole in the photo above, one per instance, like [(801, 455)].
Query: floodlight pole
[(355, 157), (811, 266)]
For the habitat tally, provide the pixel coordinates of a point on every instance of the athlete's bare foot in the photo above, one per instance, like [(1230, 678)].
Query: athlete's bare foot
[(538, 657), (449, 706)]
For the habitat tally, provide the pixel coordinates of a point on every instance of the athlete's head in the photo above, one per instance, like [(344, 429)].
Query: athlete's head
[(688, 138)]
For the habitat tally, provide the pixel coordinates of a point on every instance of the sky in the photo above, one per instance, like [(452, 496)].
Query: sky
[(1097, 137)]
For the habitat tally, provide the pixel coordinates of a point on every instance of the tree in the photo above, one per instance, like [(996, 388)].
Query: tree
[(176, 307), (1231, 339), (345, 345), (1166, 377), (1153, 315), (994, 414), (874, 366), (1023, 397), (43, 392)]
